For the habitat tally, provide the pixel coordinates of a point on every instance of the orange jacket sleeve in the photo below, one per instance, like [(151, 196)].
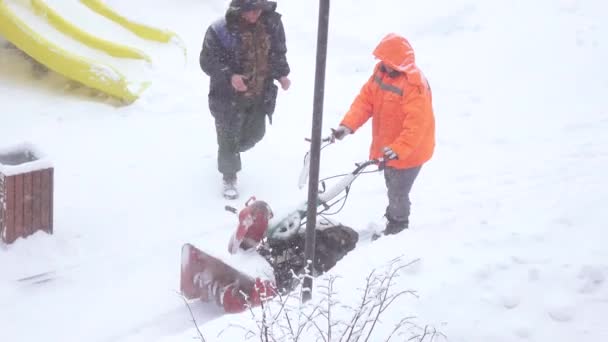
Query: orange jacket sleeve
[(361, 109), (419, 116)]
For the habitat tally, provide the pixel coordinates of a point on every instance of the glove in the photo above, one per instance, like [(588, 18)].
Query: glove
[(389, 153), (285, 82), (340, 132)]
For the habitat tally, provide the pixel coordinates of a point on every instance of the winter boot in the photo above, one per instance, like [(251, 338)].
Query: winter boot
[(394, 227), (229, 190)]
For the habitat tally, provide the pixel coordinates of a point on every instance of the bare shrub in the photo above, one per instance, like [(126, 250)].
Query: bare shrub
[(284, 318)]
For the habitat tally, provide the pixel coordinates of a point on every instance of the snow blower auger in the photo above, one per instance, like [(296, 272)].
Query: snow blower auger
[(280, 240)]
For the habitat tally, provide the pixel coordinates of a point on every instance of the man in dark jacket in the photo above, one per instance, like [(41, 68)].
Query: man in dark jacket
[(243, 53)]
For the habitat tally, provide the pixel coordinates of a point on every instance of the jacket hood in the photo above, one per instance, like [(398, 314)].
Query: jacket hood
[(396, 52), (238, 6)]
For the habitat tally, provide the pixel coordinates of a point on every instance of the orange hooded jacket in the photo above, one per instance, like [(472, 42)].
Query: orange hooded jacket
[(400, 107)]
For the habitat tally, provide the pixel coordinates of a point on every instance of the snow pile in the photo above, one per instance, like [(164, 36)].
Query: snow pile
[(135, 70), (22, 158)]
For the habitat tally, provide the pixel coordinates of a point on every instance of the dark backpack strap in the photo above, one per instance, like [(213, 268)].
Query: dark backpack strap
[(227, 38)]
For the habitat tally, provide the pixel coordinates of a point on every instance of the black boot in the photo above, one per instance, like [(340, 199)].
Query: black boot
[(395, 227)]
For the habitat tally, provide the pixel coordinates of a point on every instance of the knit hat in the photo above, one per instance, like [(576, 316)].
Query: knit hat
[(250, 5)]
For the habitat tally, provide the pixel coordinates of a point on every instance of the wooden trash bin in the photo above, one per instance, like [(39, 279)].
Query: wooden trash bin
[(26, 193)]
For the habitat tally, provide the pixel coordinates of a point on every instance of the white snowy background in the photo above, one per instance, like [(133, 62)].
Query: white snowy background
[(508, 219)]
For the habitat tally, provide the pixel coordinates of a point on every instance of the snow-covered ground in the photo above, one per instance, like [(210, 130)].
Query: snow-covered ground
[(506, 220)]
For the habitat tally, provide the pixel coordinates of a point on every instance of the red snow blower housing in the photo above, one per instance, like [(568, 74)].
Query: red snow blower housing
[(253, 224)]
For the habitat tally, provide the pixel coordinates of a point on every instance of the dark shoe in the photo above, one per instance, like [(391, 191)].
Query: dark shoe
[(395, 227)]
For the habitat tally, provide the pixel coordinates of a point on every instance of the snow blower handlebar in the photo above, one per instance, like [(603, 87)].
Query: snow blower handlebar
[(303, 179), (329, 139), (347, 180), (291, 224)]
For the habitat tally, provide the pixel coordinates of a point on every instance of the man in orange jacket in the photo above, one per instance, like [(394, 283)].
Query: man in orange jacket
[(397, 97)]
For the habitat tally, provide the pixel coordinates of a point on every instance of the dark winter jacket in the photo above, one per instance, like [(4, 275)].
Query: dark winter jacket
[(221, 57)]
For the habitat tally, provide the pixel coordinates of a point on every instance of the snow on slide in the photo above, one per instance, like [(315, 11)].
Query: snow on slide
[(71, 39)]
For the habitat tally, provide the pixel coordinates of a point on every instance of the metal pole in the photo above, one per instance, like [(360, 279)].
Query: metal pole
[(315, 148)]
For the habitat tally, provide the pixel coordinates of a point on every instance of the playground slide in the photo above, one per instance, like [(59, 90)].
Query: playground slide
[(85, 41)]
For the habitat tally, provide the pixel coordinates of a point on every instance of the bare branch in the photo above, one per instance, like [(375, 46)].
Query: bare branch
[(397, 295), (248, 332), (309, 318), (427, 332), (330, 291), (398, 327), (283, 302), (320, 332), (290, 327), (198, 330), (385, 299), (264, 330), (359, 312)]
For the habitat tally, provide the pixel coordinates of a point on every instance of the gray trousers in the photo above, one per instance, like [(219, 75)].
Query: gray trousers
[(238, 132), (399, 184)]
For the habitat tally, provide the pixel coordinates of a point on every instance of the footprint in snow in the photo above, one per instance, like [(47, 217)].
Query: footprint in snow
[(592, 278), (510, 301), (561, 314), (523, 332), (560, 307)]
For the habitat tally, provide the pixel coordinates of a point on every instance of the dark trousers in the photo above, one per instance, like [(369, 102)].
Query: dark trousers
[(399, 184), (238, 131)]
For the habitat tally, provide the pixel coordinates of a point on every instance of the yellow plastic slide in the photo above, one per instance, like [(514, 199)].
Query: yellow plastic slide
[(38, 28)]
